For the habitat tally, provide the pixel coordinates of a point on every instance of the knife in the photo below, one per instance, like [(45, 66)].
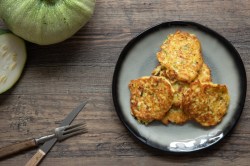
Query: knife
[(45, 148)]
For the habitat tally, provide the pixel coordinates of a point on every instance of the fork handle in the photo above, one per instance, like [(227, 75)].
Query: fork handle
[(17, 147)]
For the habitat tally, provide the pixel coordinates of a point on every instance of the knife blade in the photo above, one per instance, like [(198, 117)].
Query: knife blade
[(45, 148)]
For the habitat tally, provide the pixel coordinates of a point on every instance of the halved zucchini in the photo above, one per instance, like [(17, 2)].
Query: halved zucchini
[(12, 59)]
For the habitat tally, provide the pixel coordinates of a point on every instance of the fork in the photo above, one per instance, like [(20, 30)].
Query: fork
[(60, 133)]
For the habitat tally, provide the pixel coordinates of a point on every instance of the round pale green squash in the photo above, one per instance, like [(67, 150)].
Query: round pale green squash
[(46, 22)]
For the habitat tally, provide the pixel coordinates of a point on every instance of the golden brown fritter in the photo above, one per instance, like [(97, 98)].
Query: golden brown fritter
[(151, 98), (162, 72), (207, 103), (179, 89), (176, 115), (179, 86), (181, 55), (204, 74)]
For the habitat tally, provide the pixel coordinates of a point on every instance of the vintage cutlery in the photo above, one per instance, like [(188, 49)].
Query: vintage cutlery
[(45, 148), (50, 140), (60, 133)]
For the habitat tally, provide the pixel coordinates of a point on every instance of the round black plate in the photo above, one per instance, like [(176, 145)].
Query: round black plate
[(138, 58)]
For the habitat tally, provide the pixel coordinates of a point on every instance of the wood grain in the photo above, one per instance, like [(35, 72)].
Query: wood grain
[(58, 77), (36, 159), (17, 147)]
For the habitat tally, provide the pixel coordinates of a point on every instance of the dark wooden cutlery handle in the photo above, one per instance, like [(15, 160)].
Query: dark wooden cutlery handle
[(17, 147)]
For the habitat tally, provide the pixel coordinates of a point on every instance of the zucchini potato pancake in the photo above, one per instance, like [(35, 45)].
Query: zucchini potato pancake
[(180, 88), (206, 103), (181, 55), (151, 98), (176, 114)]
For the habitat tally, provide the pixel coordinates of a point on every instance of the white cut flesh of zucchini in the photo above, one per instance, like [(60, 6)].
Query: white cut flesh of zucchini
[(12, 60)]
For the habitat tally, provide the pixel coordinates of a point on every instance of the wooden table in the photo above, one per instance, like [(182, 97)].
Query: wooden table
[(58, 77)]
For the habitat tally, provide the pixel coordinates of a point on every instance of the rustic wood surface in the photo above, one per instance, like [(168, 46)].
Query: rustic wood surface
[(58, 77)]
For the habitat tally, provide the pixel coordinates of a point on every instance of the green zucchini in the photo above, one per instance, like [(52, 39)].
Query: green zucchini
[(12, 59)]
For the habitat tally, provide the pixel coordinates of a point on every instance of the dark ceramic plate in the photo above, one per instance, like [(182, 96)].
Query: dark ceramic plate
[(138, 58)]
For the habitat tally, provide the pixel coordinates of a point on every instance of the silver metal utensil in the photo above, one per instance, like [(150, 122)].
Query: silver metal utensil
[(60, 133), (45, 148), (64, 132)]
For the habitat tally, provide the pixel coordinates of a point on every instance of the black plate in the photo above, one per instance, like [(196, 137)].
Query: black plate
[(138, 58)]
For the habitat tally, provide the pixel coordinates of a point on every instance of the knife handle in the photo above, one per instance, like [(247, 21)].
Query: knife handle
[(36, 158), (17, 147)]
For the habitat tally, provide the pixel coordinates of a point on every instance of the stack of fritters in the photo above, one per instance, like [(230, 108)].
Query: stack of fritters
[(180, 88)]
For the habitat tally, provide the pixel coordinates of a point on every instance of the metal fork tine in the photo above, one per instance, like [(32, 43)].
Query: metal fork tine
[(68, 131), (82, 131), (73, 130), (74, 126)]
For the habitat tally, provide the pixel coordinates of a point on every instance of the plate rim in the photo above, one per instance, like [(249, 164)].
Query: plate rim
[(123, 54)]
